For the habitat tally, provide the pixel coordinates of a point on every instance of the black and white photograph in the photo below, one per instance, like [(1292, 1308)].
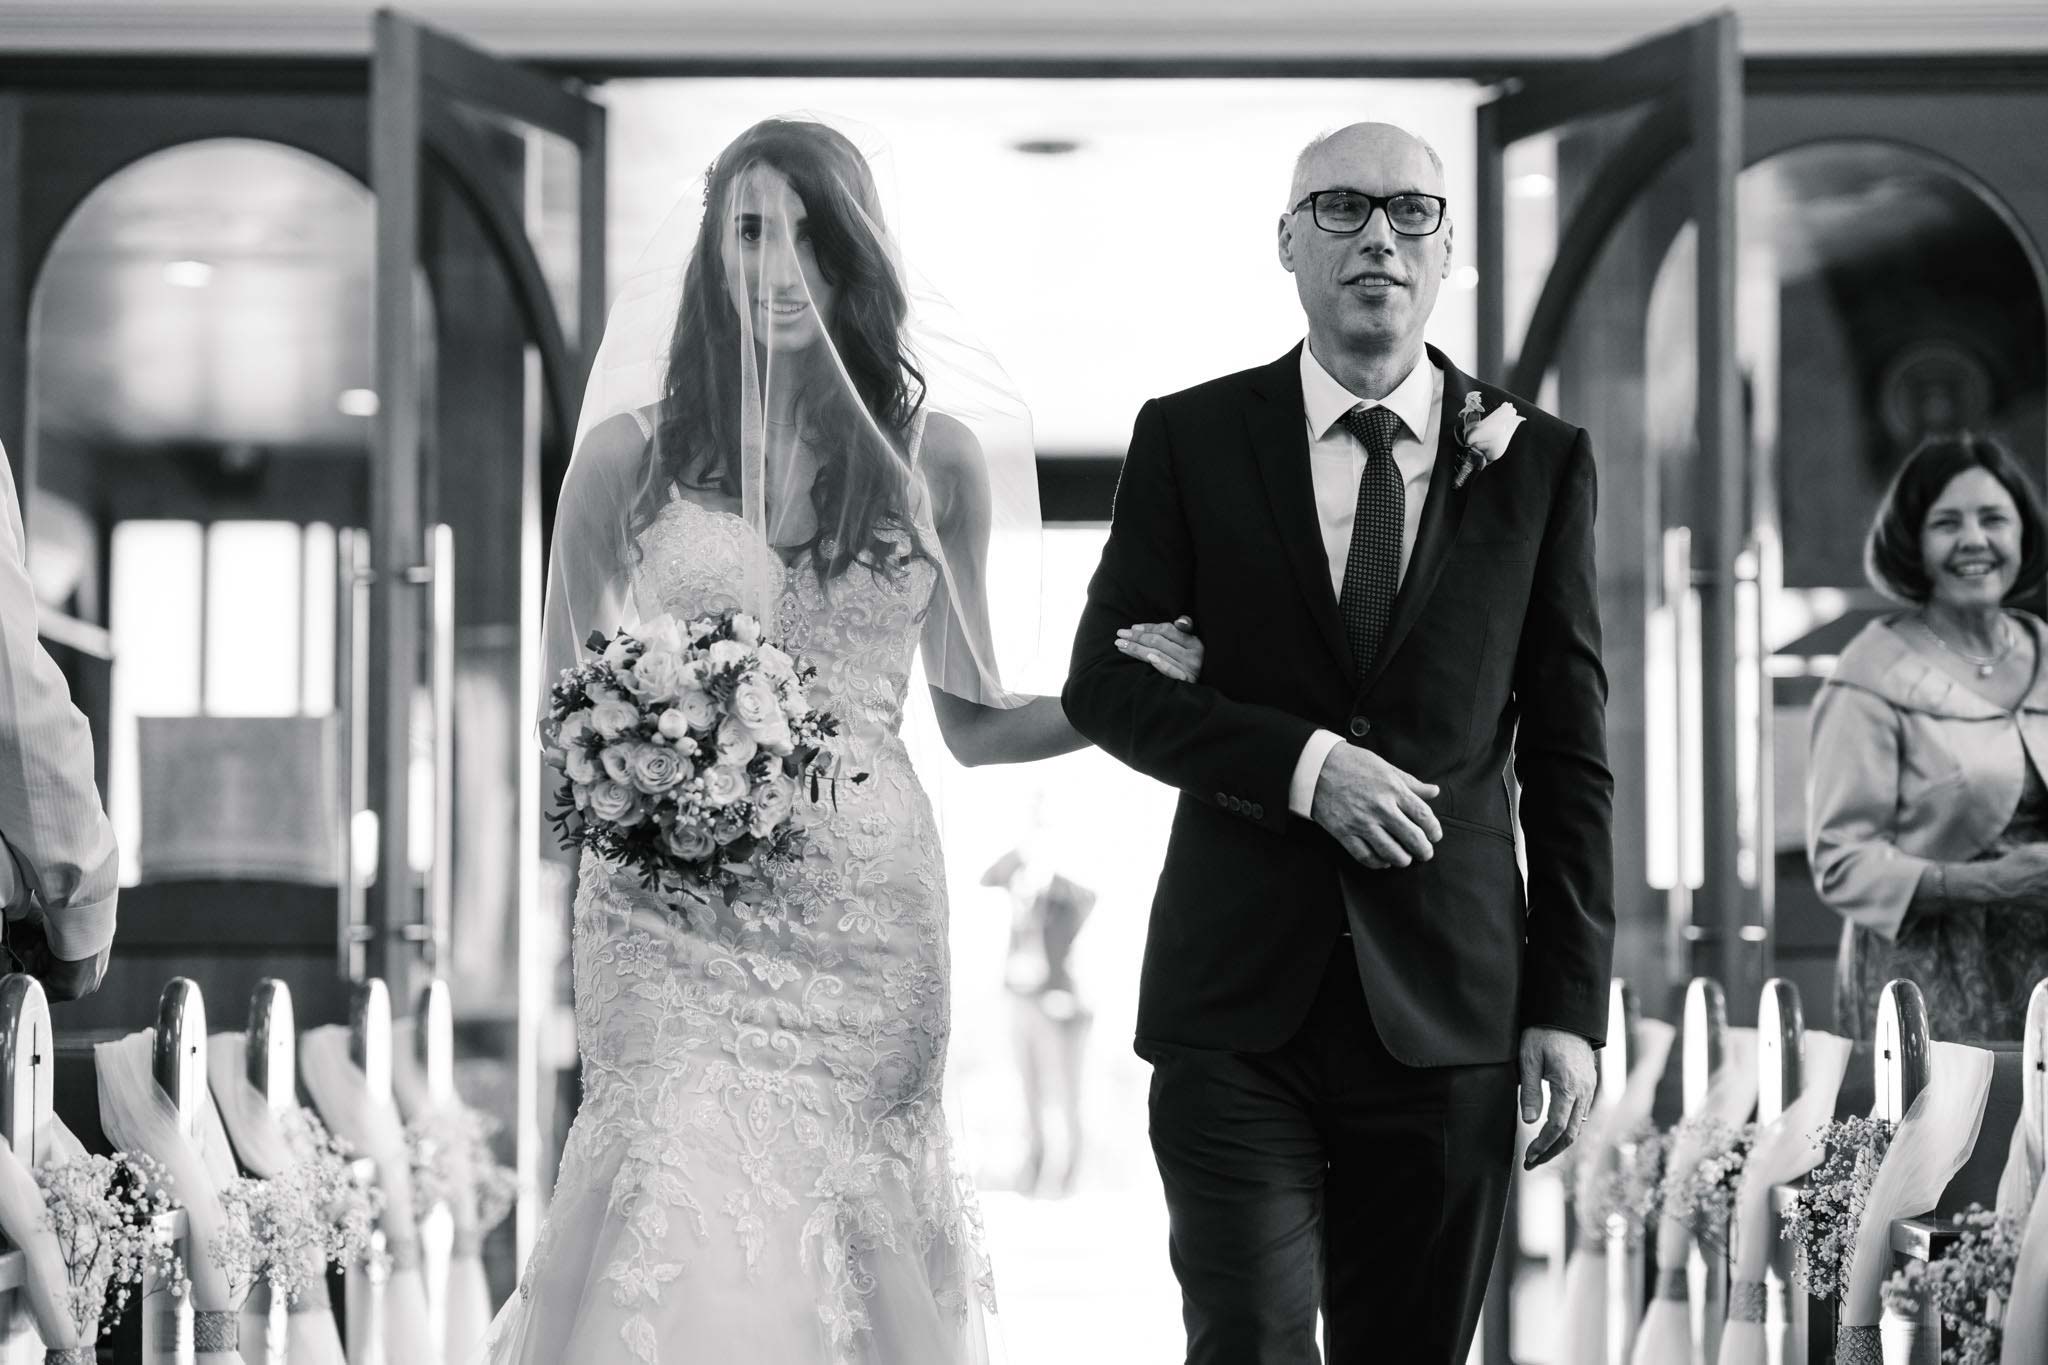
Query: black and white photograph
[(1023, 682)]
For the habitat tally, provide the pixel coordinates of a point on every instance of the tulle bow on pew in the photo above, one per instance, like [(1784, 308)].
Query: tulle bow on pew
[(2019, 1197), (1933, 1140), (25, 1221), (1786, 1148), (341, 1095), (139, 1117), (1666, 1335), (311, 1335), (466, 1294), (1583, 1332)]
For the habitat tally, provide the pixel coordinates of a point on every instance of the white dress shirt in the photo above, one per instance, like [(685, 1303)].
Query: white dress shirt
[(1336, 461), (56, 844)]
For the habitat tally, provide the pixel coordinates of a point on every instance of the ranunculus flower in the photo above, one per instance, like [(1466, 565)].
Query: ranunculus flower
[(656, 769), (774, 800), (581, 768), (724, 784), (617, 761), (672, 724), (690, 842), (615, 802), (613, 718), (746, 629), (699, 711), (736, 744), (658, 676)]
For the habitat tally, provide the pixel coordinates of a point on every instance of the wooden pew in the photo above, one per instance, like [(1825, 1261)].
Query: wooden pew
[(272, 1043), (2015, 1072), (433, 1042), (363, 1285), (1627, 1257), (26, 1075), (179, 1063), (1781, 1054), (1706, 1045)]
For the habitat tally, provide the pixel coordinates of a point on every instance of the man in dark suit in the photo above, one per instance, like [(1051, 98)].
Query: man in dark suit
[(1391, 567)]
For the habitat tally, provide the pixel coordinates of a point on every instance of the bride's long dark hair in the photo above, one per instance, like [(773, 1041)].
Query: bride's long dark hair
[(863, 488)]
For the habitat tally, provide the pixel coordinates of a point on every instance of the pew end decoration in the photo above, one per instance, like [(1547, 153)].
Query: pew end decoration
[(1827, 1211), (1968, 1285), (107, 1215)]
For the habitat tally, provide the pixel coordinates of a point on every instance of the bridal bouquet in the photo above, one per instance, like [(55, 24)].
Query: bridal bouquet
[(685, 753), (1969, 1284), (1828, 1211), (103, 1213)]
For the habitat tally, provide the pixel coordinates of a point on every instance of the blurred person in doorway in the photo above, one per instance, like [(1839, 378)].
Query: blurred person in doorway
[(1049, 1020), (61, 872), (1927, 810)]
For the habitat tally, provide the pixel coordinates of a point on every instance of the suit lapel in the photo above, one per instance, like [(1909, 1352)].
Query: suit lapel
[(1279, 437), (1441, 513)]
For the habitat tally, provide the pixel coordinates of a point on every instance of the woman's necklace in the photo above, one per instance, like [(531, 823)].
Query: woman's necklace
[(1985, 664)]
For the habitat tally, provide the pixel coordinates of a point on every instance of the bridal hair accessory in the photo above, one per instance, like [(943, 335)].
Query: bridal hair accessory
[(1483, 436), (686, 753)]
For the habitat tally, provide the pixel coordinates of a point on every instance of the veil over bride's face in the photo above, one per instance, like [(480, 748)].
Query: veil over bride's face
[(790, 295)]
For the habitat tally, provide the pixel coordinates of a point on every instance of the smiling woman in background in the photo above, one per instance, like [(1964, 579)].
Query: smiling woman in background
[(1928, 812)]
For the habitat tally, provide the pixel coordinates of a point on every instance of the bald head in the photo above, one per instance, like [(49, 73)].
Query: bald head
[(1381, 144)]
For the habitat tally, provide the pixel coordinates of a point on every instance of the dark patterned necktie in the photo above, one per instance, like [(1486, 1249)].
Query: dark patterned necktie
[(1372, 571)]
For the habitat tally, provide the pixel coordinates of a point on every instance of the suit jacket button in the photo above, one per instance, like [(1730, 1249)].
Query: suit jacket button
[(1360, 727), (1223, 800), (1258, 811)]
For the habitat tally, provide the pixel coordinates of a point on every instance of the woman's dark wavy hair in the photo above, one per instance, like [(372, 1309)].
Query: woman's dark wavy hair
[(864, 491), (1891, 556)]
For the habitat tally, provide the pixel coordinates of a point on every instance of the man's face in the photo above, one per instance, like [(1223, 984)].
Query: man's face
[(1373, 289)]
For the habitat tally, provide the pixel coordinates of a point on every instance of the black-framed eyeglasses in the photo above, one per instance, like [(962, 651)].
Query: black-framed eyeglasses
[(1343, 212)]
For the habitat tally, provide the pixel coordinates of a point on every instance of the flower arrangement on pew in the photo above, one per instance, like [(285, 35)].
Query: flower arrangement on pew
[(1968, 1284), (1623, 1189), (453, 1144), (291, 1227), (1828, 1209), (1704, 1195), (103, 1212)]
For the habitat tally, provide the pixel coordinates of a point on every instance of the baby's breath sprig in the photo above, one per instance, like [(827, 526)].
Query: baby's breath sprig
[(1969, 1284), (1703, 1195), (103, 1211), (1622, 1183), (1828, 1210)]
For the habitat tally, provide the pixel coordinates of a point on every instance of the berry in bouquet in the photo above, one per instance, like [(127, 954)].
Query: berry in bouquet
[(686, 751)]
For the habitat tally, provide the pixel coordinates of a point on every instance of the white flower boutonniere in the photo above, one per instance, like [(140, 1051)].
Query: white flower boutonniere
[(1483, 436)]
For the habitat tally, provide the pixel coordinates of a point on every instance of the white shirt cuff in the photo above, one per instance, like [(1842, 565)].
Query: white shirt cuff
[(1308, 770)]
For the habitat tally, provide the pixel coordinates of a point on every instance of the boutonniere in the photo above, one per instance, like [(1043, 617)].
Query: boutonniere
[(1483, 436)]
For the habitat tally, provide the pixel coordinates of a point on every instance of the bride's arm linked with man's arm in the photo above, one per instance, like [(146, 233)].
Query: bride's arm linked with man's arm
[(978, 734)]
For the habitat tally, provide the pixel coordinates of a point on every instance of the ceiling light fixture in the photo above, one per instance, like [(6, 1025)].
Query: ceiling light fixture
[(1465, 277), (358, 402), (1534, 185), (188, 274)]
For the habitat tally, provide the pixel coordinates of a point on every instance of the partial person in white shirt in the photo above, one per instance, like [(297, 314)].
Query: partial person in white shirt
[(61, 873)]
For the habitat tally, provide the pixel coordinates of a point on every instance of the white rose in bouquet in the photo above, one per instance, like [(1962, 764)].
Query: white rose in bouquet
[(736, 744), (726, 653), (616, 802), (617, 761), (613, 718), (746, 629), (691, 843), (699, 711), (774, 800), (775, 663), (724, 784), (756, 706), (619, 652), (663, 635), (658, 676), (657, 769), (581, 767), (574, 731)]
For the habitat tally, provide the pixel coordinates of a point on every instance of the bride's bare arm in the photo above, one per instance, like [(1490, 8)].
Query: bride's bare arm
[(959, 644)]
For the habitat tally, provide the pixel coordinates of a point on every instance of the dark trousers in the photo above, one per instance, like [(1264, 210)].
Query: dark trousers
[(1327, 1175)]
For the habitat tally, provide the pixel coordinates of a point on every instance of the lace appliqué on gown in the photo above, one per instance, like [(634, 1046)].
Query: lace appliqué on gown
[(760, 1167)]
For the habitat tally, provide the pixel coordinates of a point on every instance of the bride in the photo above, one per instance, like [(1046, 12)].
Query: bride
[(760, 1169)]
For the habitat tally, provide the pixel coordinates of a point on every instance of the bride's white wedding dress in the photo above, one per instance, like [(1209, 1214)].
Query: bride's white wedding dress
[(760, 1168)]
